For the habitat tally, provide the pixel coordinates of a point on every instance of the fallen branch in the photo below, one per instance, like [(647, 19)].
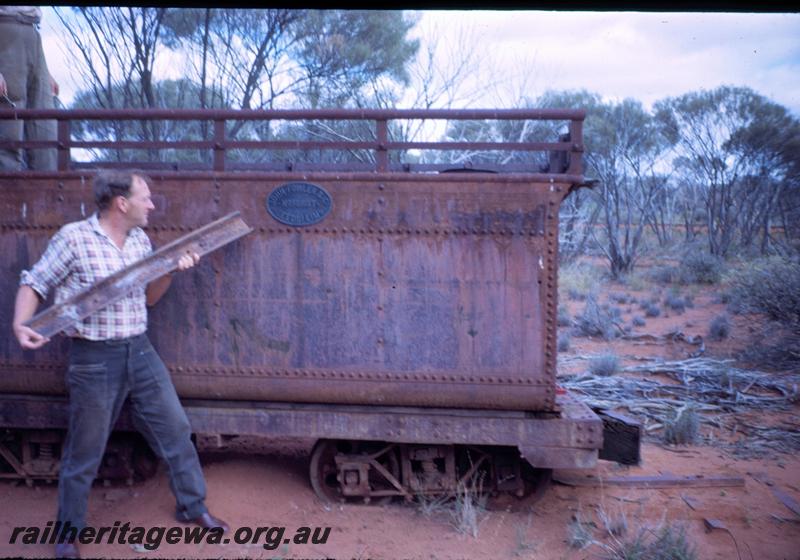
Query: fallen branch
[(654, 481)]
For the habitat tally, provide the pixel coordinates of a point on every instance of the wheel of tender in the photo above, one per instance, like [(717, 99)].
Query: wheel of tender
[(323, 470), (537, 481)]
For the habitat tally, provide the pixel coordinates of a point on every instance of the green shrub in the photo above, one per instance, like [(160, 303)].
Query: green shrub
[(594, 321), (575, 295), (638, 321), (683, 427), (770, 286), (604, 365), (666, 543), (619, 297), (652, 310), (578, 280), (578, 533), (664, 274), (722, 297), (697, 266), (564, 320), (719, 328), (563, 342), (635, 281), (675, 302)]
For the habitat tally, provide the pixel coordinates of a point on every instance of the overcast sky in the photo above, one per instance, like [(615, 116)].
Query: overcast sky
[(647, 56)]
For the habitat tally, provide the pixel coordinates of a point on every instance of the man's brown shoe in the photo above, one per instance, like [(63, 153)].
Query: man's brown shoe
[(208, 521), (67, 550)]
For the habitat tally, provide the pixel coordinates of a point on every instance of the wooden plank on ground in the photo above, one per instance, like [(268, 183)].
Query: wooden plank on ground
[(714, 524), (691, 502), (652, 481), (782, 496), (786, 500)]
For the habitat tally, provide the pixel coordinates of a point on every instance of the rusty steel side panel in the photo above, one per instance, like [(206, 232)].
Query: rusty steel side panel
[(410, 292)]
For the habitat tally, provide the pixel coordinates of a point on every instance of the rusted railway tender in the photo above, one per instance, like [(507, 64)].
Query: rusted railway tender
[(397, 307)]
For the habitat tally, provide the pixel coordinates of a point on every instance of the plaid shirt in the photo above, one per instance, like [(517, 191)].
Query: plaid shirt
[(79, 255)]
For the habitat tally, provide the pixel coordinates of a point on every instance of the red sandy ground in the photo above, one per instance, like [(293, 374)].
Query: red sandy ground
[(270, 488)]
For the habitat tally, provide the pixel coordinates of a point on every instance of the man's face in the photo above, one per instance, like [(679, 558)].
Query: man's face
[(139, 203)]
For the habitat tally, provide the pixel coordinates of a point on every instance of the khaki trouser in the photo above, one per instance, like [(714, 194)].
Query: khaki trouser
[(25, 71)]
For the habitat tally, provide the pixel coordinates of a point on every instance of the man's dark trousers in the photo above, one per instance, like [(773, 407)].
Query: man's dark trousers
[(101, 375)]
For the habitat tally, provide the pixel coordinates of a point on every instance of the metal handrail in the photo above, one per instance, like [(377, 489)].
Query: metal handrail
[(571, 146)]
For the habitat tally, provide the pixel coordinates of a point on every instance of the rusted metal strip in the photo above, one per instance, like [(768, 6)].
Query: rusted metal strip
[(657, 481), (112, 288), (313, 175)]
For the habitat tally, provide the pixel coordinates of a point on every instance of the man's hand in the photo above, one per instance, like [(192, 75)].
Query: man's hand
[(24, 307), (188, 260), (54, 86), (28, 338), (158, 287)]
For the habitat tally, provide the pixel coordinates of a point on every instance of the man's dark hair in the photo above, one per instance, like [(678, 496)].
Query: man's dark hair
[(109, 184)]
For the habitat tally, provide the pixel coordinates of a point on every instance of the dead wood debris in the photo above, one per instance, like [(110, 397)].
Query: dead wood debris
[(720, 392), (651, 481)]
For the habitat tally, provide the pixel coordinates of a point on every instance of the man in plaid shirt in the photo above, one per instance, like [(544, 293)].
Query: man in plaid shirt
[(110, 356)]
